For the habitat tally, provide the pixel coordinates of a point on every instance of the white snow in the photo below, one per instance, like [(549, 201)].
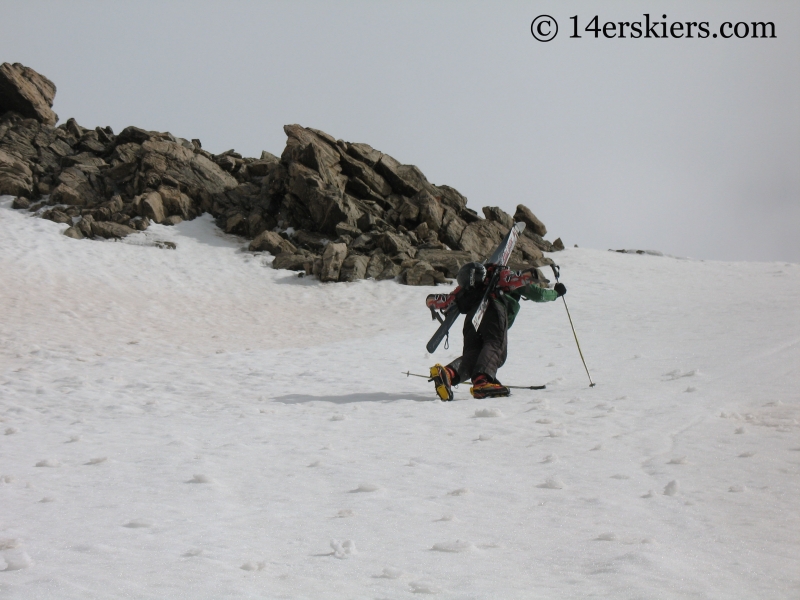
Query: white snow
[(180, 396)]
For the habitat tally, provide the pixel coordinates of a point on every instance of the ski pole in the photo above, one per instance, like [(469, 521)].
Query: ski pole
[(575, 335), (512, 387)]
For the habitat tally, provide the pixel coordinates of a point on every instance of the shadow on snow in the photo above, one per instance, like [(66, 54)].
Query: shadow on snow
[(348, 398)]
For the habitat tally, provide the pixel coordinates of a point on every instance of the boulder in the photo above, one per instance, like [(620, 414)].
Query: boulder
[(393, 243), (152, 207), (446, 261), (74, 233), (176, 202), (16, 178), (482, 237), (422, 273), (26, 92), (558, 245), (430, 210), (57, 216), (21, 203), (525, 215), (354, 267), (332, 260), (109, 229), (291, 262), (269, 241), (498, 215)]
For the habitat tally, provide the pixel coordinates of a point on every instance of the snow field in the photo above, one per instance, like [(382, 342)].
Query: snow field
[(191, 423)]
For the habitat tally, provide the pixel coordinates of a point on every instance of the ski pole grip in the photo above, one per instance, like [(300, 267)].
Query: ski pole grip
[(556, 270)]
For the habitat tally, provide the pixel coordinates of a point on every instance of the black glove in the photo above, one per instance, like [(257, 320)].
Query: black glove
[(560, 289)]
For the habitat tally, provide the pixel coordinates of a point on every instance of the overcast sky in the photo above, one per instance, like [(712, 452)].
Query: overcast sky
[(687, 146)]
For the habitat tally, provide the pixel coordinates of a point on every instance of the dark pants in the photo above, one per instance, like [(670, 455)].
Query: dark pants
[(485, 350)]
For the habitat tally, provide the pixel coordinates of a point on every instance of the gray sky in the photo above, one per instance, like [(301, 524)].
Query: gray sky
[(688, 146)]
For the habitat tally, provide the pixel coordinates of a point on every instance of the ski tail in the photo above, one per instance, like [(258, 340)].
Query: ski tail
[(442, 331)]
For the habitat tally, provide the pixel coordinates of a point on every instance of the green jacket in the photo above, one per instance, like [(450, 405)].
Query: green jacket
[(529, 292)]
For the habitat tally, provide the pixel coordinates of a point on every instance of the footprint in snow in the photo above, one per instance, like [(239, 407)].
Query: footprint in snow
[(253, 566), (747, 454), (16, 560), (619, 476), (740, 430), (597, 447), (344, 513), (445, 519), (488, 413), (11, 430), (649, 494), (672, 488), (316, 463), (390, 573), (459, 492), (550, 458), (606, 537), (96, 461), (138, 524), (48, 462), (192, 553), (737, 488), (200, 478), (552, 483), (544, 421), (366, 488), (73, 439), (453, 546), (47, 499), (344, 549), (424, 587), (337, 418), (680, 460), (484, 437), (690, 389)]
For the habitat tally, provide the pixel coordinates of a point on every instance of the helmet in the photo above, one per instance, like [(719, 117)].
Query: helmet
[(471, 275)]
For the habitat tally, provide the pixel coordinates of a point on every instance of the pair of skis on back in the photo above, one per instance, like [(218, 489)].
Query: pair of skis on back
[(445, 303)]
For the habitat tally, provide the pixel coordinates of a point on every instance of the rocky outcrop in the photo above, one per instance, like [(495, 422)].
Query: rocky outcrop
[(339, 210)]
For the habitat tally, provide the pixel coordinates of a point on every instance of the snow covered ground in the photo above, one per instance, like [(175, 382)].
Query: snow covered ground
[(191, 423)]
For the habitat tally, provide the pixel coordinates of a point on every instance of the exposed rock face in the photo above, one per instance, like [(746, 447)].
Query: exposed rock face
[(341, 211), (27, 93)]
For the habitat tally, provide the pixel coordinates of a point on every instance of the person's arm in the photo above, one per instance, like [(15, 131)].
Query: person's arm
[(539, 294)]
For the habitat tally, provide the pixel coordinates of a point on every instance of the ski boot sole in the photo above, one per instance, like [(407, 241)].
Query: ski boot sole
[(441, 380)]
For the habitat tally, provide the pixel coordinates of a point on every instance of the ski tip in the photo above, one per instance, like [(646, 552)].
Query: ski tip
[(520, 226)]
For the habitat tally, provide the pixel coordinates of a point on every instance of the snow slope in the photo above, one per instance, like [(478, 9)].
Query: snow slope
[(191, 423)]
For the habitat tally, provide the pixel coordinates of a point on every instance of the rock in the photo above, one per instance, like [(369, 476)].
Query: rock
[(482, 237), (407, 180), (152, 207), (558, 245), (16, 178), (452, 229), (85, 225), (291, 262), (21, 203), (172, 220), (332, 260), (498, 215), (57, 216), (109, 229), (358, 170), (422, 273), (381, 267), (446, 261), (236, 224), (26, 92), (529, 250), (310, 240), (345, 228), (269, 241), (392, 243), (354, 267), (141, 223), (74, 233), (525, 215), (430, 210)]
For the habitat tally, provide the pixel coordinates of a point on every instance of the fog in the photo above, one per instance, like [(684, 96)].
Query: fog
[(687, 146)]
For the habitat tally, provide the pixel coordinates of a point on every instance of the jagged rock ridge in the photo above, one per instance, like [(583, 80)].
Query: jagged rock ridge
[(338, 210)]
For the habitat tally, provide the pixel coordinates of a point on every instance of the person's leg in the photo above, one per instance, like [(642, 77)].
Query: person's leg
[(493, 331)]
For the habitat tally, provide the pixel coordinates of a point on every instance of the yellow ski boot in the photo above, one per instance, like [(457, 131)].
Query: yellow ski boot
[(440, 376)]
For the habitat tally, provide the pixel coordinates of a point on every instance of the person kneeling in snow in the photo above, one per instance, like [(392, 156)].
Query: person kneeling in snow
[(485, 350)]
